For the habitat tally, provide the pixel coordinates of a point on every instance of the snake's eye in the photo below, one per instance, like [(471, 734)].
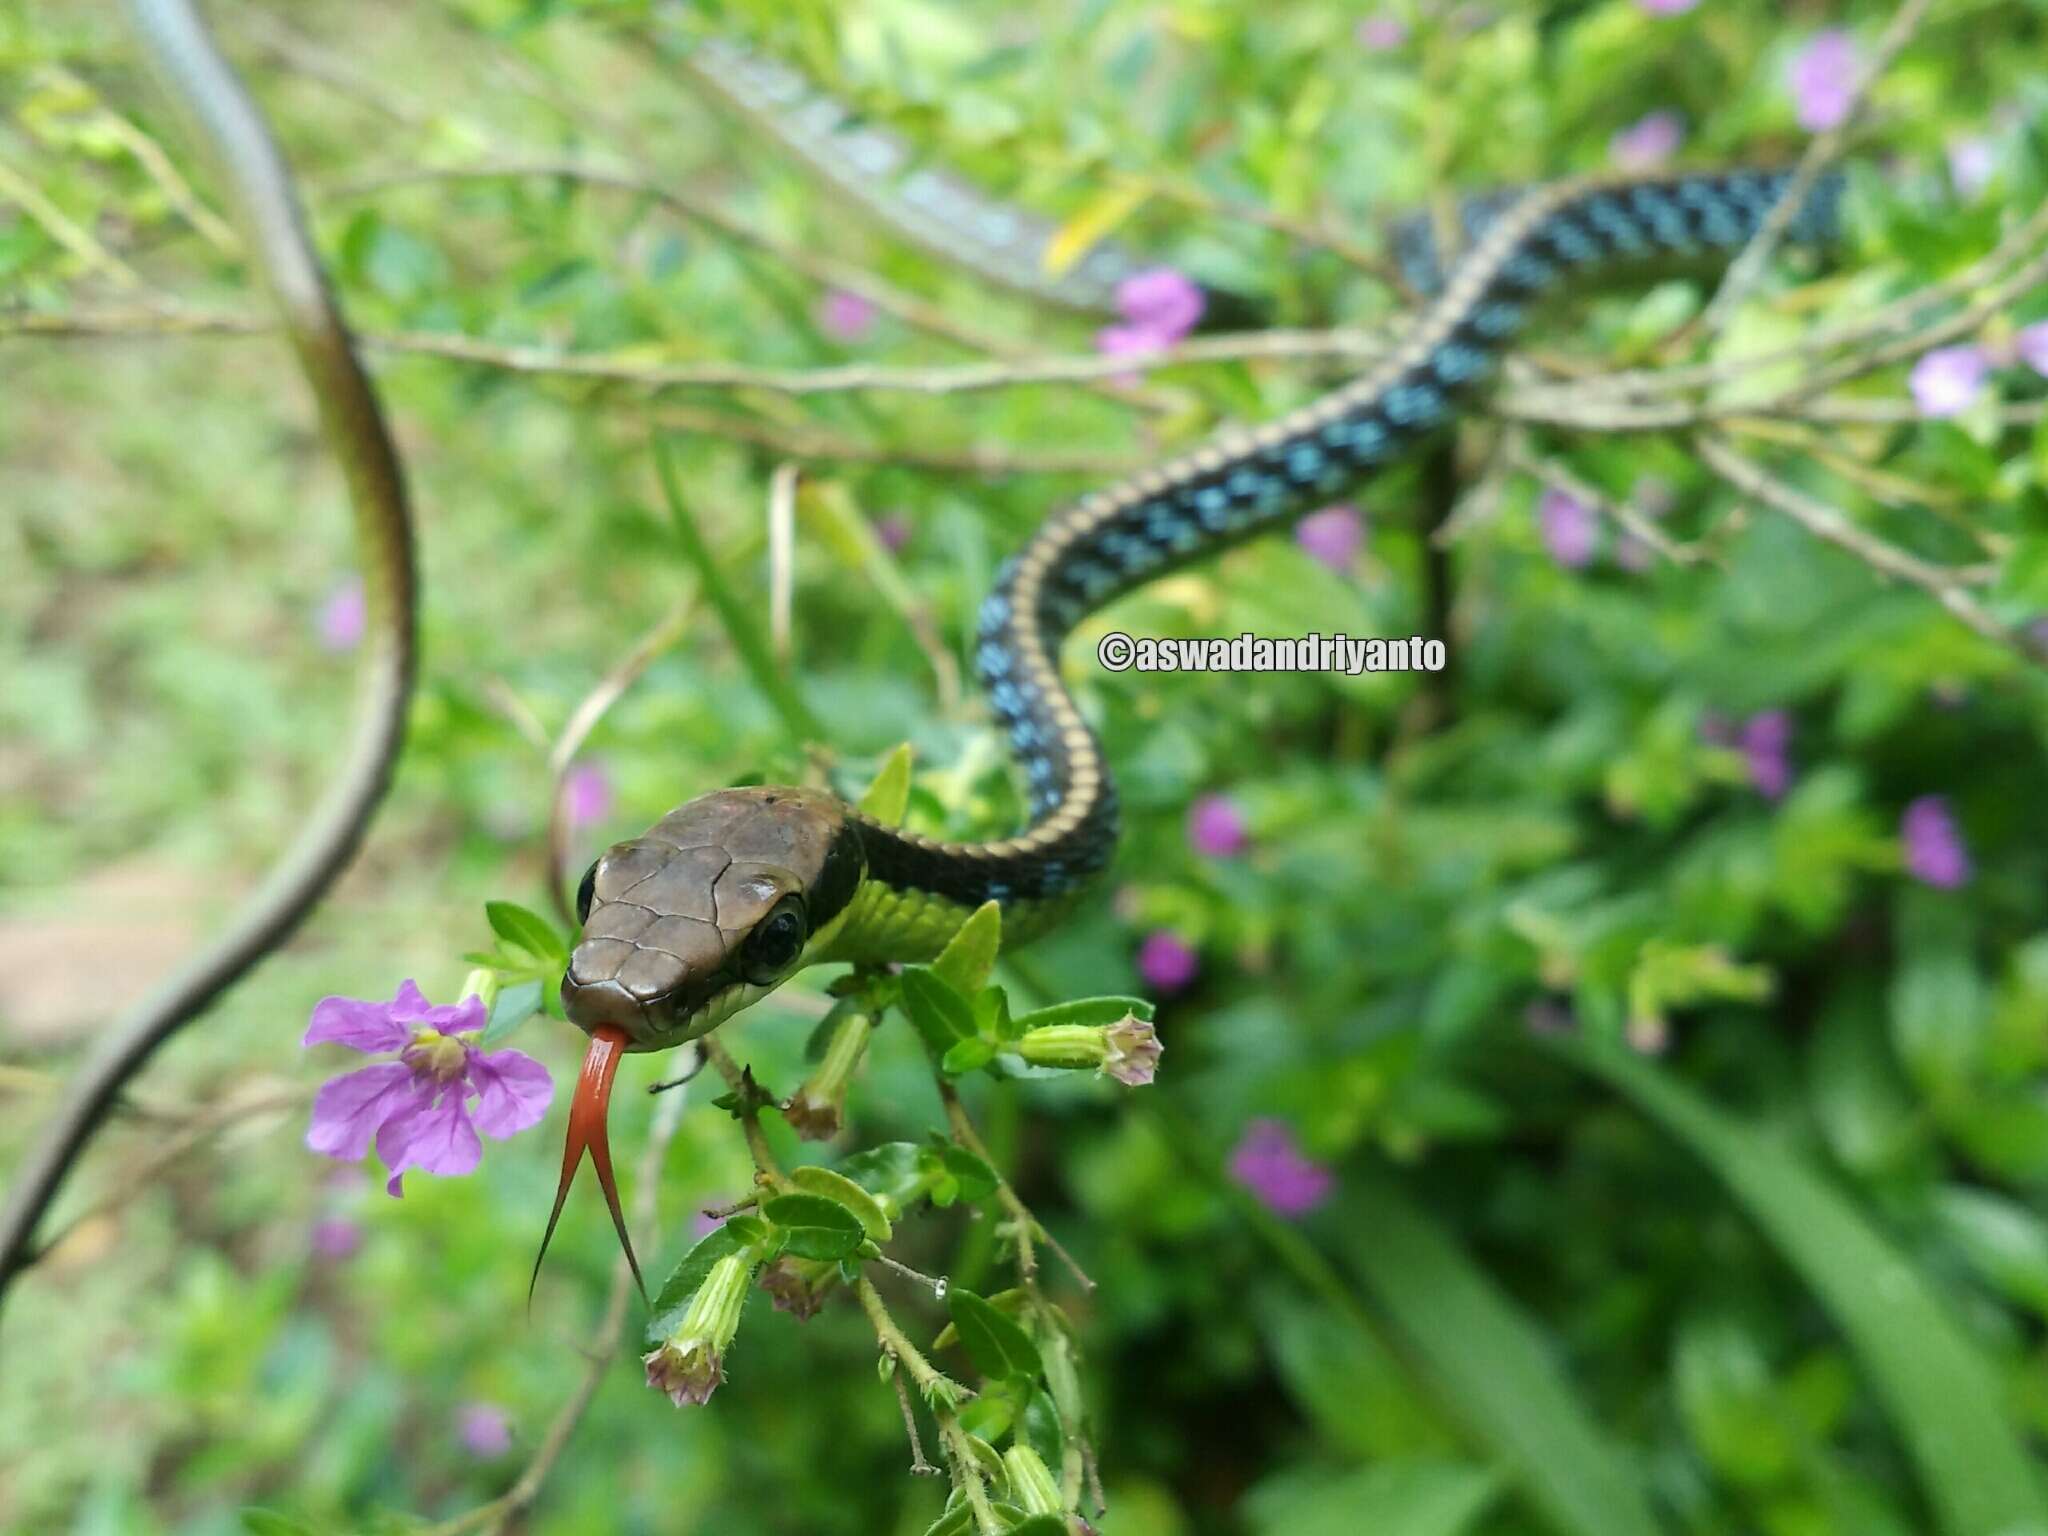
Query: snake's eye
[(585, 892), (774, 944)]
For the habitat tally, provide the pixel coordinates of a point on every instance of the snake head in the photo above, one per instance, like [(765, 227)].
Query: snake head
[(710, 910)]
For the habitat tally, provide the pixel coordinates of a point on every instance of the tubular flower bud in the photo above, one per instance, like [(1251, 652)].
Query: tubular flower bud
[(817, 1109), (1127, 1050), (1031, 1481), (690, 1363)]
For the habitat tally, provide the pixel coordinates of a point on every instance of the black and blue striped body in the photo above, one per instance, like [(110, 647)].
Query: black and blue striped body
[(1248, 482)]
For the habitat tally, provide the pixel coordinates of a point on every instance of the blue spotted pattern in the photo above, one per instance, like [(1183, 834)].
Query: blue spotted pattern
[(1090, 563)]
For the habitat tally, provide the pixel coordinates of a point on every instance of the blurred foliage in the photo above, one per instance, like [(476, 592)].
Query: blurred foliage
[(1789, 1275)]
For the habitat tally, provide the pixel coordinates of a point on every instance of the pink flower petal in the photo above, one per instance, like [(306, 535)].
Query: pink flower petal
[(1162, 301), (513, 1091), (356, 1023), (1945, 381), (435, 1137), (1649, 141), (351, 1109), (1334, 536), (1823, 76), (2031, 347), (411, 1007)]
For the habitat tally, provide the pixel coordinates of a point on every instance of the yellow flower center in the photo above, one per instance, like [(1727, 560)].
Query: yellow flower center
[(433, 1054)]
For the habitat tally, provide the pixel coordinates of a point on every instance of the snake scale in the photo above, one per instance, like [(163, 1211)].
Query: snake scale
[(727, 897)]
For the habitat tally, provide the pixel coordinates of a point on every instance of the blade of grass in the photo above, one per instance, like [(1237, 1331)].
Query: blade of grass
[(752, 646), (1942, 1394), (1490, 1362)]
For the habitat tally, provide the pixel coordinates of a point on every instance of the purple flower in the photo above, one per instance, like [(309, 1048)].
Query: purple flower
[(1570, 528), (1334, 536), (343, 616), (1971, 162), (417, 1109), (1823, 80), (1935, 854), (1647, 142), (1946, 380), (893, 531), (1380, 32), (484, 1429), (336, 1238), (1268, 1163), (2030, 345), (586, 795), (1165, 962), (1766, 739), (1667, 7), (1159, 307), (1216, 827), (845, 316)]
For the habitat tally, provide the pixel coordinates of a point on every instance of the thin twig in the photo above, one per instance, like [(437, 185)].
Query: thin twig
[(1944, 584), (781, 558)]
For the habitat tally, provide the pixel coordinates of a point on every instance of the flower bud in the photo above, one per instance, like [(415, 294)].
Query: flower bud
[(799, 1286), (1127, 1050), (817, 1109), (690, 1362), (1031, 1483)]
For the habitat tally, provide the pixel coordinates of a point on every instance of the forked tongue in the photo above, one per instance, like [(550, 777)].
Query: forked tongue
[(587, 1132)]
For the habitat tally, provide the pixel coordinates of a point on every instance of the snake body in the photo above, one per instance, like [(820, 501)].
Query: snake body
[(674, 920), (727, 897)]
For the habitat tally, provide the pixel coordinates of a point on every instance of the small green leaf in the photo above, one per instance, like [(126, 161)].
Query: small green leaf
[(1041, 1525), (514, 1006), (894, 1173), (940, 1014), (526, 931), (970, 954), (814, 1227), (837, 1186), (967, 1056), (684, 1279), (1086, 1010), (888, 796), (976, 1178), (998, 1347), (958, 1520)]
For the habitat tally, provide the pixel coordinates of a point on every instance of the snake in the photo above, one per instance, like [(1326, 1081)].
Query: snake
[(728, 896)]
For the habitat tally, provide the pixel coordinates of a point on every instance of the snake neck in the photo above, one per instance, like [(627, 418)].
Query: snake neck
[(1244, 483)]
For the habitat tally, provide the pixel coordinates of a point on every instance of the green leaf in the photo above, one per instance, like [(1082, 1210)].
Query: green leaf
[(268, 1522), (939, 1013), (683, 1280), (958, 1520), (888, 796), (1943, 1396), (998, 1347), (967, 1056), (1396, 1498), (837, 1186), (513, 1006), (895, 1173), (814, 1227), (970, 954), (527, 932), (1493, 1364), (1041, 1525), (976, 1179), (2003, 1241), (1086, 1010)]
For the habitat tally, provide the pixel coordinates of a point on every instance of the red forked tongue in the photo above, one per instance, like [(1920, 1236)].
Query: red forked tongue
[(587, 1130)]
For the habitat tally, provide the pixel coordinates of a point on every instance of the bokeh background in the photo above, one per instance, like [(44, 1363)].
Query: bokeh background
[(1603, 1084)]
